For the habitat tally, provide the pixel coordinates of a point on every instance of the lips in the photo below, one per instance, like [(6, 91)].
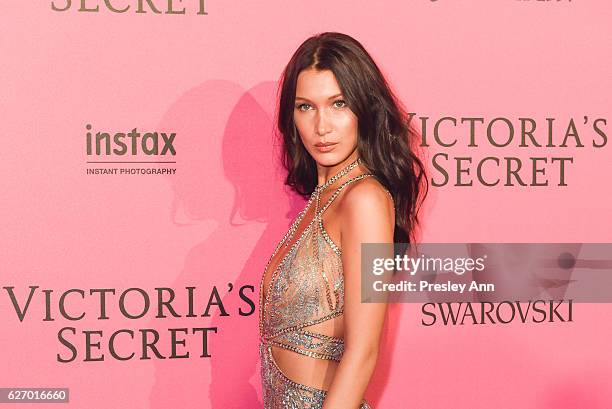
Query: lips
[(325, 147)]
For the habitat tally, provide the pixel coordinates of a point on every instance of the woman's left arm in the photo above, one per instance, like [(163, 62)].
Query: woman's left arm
[(367, 217)]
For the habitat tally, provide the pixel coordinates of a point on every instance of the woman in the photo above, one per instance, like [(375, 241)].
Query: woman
[(348, 147)]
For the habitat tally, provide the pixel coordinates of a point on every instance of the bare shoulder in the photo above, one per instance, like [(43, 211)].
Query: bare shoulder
[(368, 199)]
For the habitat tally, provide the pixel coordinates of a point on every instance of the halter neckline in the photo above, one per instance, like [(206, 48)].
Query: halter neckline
[(344, 171)]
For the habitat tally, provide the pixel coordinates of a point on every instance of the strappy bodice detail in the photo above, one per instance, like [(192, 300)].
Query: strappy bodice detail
[(306, 288)]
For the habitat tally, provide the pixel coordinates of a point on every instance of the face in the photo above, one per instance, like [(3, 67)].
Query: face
[(326, 124)]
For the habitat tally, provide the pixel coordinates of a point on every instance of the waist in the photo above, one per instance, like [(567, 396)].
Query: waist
[(308, 343)]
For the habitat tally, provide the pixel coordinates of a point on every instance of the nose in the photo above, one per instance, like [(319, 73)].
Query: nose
[(323, 124)]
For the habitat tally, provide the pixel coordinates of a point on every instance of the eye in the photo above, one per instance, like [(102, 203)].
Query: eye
[(340, 103), (302, 107)]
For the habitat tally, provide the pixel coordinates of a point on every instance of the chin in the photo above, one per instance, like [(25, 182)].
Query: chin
[(325, 160), (329, 159)]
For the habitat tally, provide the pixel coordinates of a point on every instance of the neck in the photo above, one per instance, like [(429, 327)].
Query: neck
[(324, 173)]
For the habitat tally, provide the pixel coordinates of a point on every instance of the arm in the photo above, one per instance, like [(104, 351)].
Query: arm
[(367, 217)]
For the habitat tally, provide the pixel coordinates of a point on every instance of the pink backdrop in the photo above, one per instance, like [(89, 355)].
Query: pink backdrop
[(211, 79)]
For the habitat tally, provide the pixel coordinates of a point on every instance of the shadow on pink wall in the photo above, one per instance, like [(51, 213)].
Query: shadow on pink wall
[(227, 172)]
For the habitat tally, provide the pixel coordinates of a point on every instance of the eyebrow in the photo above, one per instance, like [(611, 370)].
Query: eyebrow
[(306, 99)]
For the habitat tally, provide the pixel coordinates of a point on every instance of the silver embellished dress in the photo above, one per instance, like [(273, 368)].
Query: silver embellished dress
[(306, 289)]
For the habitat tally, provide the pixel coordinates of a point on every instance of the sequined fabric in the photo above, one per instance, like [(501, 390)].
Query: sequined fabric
[(306, 288), (281, 392)]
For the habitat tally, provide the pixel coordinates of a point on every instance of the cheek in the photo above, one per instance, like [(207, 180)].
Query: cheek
[(301, 123), (305, 133), (348, 124)]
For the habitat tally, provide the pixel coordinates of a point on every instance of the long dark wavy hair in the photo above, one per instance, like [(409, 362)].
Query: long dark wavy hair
[(387, 144)]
